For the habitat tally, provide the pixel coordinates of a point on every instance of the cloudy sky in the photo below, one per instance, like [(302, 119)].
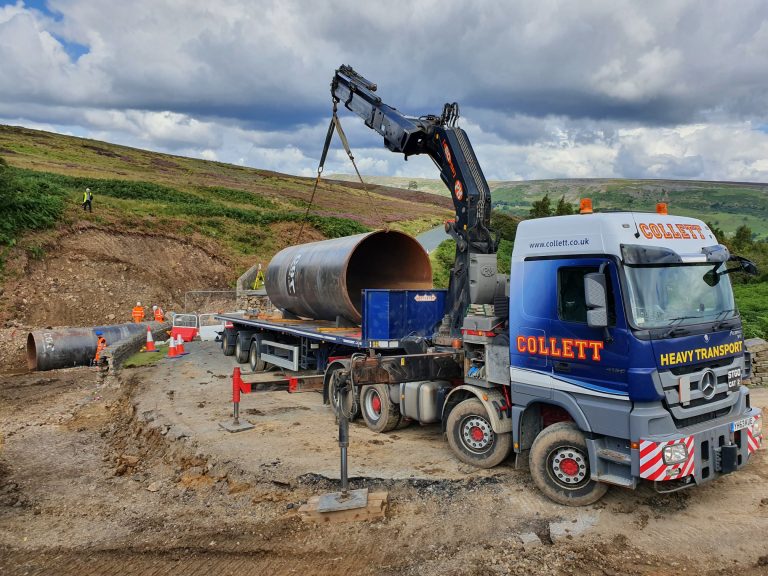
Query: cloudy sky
[(547, 88)]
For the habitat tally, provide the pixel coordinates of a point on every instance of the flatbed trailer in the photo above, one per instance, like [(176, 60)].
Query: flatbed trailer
[(392, 320), (289, 343)]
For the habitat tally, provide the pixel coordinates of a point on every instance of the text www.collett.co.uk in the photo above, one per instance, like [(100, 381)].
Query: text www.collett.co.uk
[(560, 243)]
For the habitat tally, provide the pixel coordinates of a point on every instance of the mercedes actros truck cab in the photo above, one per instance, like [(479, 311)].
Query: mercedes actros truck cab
[(626, 353)]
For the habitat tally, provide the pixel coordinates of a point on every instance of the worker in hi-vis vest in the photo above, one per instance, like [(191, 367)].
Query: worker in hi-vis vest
[(101, 343), (159, 314), (138, 313), (87, 200)]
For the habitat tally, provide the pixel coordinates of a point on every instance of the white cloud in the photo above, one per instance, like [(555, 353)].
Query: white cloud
[(549, 89)]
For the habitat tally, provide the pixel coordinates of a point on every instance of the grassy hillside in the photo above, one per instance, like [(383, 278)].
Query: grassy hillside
[(43, 177), (728, 205)]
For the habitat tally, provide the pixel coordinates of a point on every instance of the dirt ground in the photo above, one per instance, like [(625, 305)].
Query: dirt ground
[(131, 474)]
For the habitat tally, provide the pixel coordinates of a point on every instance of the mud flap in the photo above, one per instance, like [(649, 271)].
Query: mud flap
[(729, 458), (491, 400)]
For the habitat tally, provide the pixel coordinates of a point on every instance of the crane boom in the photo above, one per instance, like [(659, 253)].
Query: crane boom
[(449, 148)]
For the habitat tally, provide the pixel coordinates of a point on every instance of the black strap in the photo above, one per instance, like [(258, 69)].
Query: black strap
[(334, 125)]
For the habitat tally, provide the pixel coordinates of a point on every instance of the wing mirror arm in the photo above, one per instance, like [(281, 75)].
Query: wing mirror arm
[(712, 277)]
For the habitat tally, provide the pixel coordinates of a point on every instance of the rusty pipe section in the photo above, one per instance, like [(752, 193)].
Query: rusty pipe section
[(323, 280), (67, 347)]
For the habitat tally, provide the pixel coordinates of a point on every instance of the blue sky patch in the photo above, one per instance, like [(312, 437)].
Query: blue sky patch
[(73, 49), (39, 5)]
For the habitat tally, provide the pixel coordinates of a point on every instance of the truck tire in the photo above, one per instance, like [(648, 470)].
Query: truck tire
[(254, 358), (559, 463), (472, 438), (379, 413), (227, 342), (241, 352)]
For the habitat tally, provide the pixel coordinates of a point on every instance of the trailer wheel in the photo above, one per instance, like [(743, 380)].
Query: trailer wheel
[(241, 353), (227, 344), (379, 413), (472, 438), (559, 463), (254, 358)]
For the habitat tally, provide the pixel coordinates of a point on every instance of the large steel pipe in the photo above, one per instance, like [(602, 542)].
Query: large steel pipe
[(324, 280), (67, 347)]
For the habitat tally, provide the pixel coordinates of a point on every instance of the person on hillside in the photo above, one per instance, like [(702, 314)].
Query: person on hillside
[(87, 200), (138, 313), (101, 343), (159, 314)]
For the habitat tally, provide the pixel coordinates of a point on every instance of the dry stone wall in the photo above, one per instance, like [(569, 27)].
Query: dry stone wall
[(115, 354), (758, 348)]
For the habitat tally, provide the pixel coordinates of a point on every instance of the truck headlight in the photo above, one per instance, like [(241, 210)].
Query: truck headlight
[(675, 454), (757, 427)]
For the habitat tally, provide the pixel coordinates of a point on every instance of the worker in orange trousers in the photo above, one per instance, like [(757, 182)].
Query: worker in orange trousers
[(101, 343), (138, 313)]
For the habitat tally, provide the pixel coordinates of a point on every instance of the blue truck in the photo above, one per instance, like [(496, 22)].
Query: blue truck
[(612, 354)]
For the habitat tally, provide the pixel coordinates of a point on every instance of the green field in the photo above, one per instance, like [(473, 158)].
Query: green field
[(727, 205), (244, 211)]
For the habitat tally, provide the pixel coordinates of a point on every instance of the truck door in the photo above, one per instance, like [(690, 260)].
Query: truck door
[(209, 327), (594, 358), (531, 309)]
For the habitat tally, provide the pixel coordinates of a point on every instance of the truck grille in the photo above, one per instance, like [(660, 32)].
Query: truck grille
[(699, 409), (682, 370), (693, 420)]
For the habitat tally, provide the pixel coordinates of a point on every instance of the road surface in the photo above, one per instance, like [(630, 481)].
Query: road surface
[(431, 239)]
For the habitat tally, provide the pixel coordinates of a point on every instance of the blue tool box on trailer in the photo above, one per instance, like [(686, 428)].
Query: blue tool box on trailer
[(394, 314)]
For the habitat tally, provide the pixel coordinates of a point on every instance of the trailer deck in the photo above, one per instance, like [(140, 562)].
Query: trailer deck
[(318, 330)]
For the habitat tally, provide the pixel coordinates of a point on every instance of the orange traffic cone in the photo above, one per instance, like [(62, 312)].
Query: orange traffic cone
[(172, 353), (180, 346), (150, 347)]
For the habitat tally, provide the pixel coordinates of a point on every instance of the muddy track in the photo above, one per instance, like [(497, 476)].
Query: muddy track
[(90, 485)]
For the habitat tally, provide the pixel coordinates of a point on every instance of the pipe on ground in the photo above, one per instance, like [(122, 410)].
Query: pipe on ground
[(324, 280), (67, 347)]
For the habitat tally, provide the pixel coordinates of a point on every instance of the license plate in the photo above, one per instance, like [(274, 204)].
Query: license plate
[(734, 378), (743, 423)]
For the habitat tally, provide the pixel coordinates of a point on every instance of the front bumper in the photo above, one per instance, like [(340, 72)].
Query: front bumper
[(712, 451)]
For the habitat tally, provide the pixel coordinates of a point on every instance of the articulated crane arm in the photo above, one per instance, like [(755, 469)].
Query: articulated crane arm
[(449, 148)]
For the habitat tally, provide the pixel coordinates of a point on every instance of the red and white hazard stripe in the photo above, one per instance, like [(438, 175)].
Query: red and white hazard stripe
[(652, 465), (753, 442)]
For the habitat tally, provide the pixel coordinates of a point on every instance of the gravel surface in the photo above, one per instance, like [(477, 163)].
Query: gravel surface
[(131, 475)]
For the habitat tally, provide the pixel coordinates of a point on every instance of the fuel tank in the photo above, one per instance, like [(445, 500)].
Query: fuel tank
[(324, 280)]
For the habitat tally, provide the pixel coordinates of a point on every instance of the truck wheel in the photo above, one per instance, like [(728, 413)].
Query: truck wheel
[(227, 343), (241, 353), (471, 437), (379, 413), (559, 463), (254, 358), (333, 395)]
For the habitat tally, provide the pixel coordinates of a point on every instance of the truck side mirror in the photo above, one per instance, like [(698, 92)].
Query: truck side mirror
[(596, 300)]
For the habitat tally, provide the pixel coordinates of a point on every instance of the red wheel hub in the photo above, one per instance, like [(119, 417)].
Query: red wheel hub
[(476, 433), (569, 466), (376, 404)]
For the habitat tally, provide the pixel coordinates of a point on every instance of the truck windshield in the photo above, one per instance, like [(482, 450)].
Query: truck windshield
[(669, 296)]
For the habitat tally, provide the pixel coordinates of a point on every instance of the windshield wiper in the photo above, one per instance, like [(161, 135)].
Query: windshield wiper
[(722, 322), (678, 330)]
